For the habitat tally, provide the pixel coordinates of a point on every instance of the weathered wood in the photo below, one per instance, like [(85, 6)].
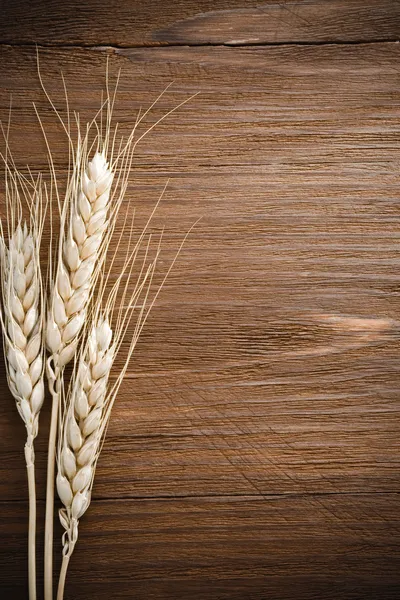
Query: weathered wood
[(316, 419), (280, 111), (233, 22), (230, 548), (254, 449)]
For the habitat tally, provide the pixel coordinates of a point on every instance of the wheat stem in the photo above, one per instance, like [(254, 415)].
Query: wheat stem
[(22, 321), (53, 377), (86, 415), (63, 575), (30, 468), (87, 220)]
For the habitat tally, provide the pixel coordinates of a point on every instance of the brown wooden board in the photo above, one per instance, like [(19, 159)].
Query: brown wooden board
[(253, 453), (320, 546), (234, 22)]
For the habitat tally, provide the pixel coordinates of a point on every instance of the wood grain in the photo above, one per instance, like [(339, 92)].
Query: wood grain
[(254, 450), (232, 22), (229, 548)]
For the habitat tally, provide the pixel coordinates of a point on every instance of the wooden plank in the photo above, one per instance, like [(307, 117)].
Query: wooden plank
[(302, 110), (254, 448), (269, 426), (344, 546), (199, 22), (269, 363)]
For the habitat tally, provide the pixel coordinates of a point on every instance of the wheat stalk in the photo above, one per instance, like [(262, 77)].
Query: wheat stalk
[(22, 320)]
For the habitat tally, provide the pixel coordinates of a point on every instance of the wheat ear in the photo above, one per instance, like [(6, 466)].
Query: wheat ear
[(81, 437), (79, 256), (91, 396), (22, 319)]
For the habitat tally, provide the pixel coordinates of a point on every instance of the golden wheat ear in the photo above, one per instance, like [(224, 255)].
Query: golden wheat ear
[(23, 320)]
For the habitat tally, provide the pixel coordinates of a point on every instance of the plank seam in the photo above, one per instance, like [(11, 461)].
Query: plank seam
[(117, 47), (250, 497)]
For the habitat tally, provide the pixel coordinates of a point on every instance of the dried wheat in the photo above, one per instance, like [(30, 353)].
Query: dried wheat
[(22, 319), (85, 234), (91, 395), (79, 258), (82, 430), (23, 323)]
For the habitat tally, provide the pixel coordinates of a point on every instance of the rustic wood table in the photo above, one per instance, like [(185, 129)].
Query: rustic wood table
[(253, 453)]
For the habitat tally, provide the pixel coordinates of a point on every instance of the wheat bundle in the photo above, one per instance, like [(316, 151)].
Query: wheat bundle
[(88, 218), (80, 326)]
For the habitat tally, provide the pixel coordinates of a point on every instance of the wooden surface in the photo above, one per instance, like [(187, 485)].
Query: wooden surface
[(253, 453)]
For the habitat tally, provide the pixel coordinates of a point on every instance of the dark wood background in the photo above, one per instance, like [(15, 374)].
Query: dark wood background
[(253, 453)]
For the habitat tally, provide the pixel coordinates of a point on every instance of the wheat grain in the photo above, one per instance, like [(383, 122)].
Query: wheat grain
[(23, 323), (22, 320), (79, 256), (82, 430)]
